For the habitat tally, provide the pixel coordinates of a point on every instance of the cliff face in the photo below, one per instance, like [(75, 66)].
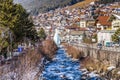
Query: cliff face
[(36, 6)]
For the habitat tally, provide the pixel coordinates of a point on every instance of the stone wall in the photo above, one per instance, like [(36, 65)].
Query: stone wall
[(112, 57)]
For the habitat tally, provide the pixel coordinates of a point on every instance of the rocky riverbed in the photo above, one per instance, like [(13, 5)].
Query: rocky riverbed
[(63, 67)]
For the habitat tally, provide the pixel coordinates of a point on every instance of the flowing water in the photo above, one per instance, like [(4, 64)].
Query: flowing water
[(62, 68)]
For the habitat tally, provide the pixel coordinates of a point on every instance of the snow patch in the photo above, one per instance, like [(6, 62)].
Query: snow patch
[(92, 74), (118, 72), (110, 68)]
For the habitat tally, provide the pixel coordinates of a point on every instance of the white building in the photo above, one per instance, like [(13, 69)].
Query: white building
[(116, 22), (104, 36), (83, 23)]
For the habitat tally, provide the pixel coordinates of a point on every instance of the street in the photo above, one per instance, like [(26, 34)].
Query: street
[(94, 46)]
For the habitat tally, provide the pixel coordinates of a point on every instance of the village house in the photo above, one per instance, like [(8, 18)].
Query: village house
[(103, 23), (87, 23), (108, 28), (116, 22), (83, 23), (105, 36), (74, 34)]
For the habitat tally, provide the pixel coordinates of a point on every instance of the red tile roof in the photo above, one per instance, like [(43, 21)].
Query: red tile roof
[(103, 20)]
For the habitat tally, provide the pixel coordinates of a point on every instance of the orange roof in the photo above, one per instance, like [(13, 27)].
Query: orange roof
[(103, 20)]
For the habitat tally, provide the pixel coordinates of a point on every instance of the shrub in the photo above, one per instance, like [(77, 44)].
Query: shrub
[(21, 65), (48, 49), (74, 52)]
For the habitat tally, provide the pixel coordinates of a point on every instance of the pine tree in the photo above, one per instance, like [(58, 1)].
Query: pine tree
[(15, 19), (115, 37), (42, 34)]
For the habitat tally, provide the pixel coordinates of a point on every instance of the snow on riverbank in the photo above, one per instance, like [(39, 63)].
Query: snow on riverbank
[(62, 67)]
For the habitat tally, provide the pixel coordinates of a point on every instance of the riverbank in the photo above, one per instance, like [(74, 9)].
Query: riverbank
[(73, 52), (102, 69), (21, 67), (93, 67), (28, 65), (62, 67)]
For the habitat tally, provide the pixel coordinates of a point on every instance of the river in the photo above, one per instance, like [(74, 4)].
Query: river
[(62, 68)]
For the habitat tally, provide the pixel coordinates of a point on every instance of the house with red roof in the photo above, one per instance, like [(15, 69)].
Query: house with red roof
[(103, 23)]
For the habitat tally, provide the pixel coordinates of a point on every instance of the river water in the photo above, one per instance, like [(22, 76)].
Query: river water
[(62, 68)]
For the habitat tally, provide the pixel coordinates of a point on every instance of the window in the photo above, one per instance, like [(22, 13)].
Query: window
[(116, 26)]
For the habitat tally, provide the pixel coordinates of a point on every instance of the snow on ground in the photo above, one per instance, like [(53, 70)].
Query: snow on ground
[(93, 74), (29, 75), (118, 72), (62, 67), (110, 68)]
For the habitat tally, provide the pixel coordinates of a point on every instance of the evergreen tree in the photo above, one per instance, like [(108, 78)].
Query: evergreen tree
[(42, 34), (15, 17), (115, 37), (3, 40)]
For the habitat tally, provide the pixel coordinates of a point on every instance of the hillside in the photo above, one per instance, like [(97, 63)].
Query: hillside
[(36, 6), (86, 2), (82, 3)]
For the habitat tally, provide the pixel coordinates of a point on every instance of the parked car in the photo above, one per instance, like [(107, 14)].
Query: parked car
[(99, 45), (115, 44), (109, 44)]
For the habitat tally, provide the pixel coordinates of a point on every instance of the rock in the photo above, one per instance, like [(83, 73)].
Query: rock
[(118, 72), (75, 59), (52, 69), (84, 77), (110, 68), (62, 66), (86, 72), (92, 74), (57, 71), (63, 76), (90, 69), (83, 70)]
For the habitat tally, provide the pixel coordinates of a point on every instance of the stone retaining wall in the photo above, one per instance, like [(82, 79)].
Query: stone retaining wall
[(112, 57)]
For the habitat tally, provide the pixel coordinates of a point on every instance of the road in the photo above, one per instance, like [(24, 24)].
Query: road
[(94, 46)]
